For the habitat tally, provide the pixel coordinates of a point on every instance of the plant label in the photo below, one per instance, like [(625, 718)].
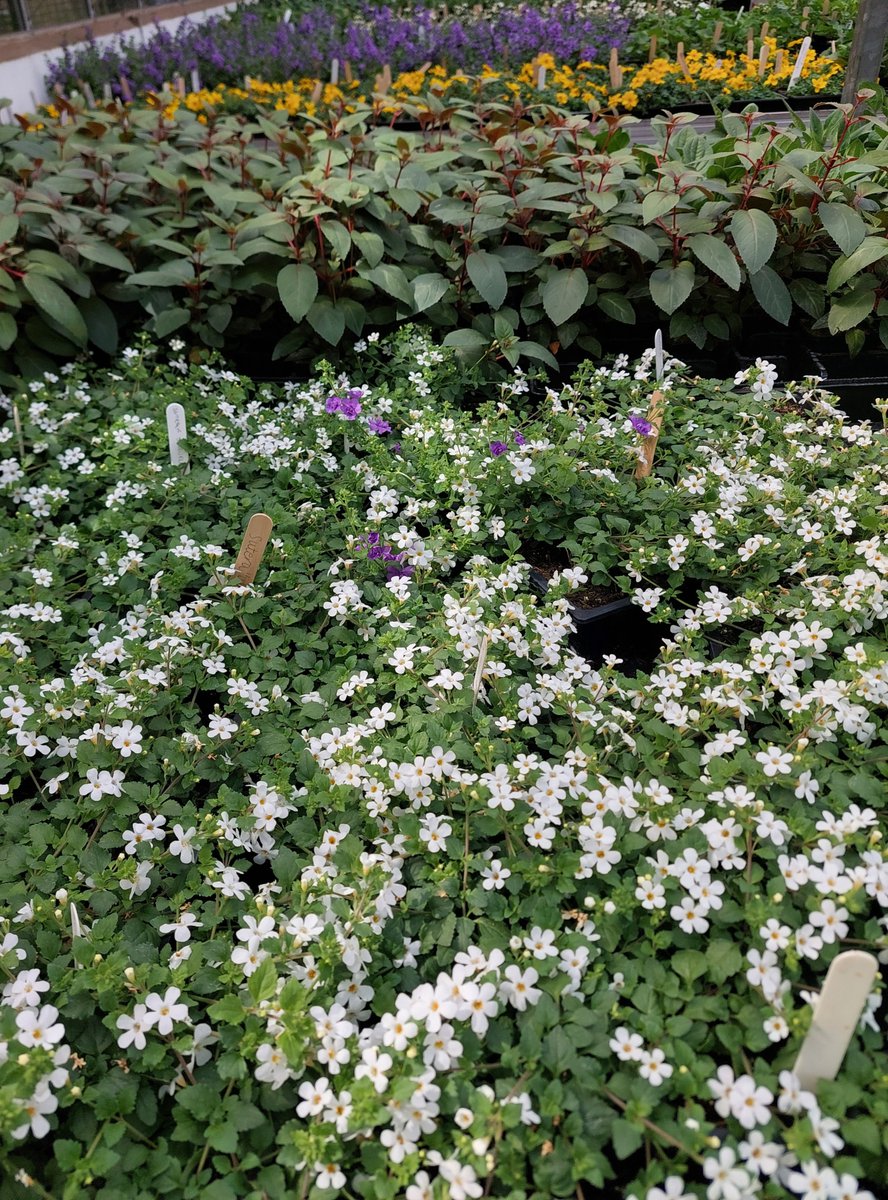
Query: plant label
[(195, 80), (799, 64), (649, 446), (253, 547), (848, 982), (615, 70), (176, 433), (658, 354), (334, 71)]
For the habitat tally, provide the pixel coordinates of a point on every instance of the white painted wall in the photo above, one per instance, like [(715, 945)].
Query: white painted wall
[(21, 80)]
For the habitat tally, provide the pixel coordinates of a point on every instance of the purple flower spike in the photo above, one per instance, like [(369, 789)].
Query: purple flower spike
[(640, 425), (498, 448)]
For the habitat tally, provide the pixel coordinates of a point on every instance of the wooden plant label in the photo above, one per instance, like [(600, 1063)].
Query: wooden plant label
[(176, 432), (799, 63), (87, 92), (750, 47), (348, 72), (778, 63), (848, 982), (764, 55), (764, 32), (716, 33), (652, 50), (616, 71), (334, 71), (649, 446), (806, 13), (195, 80), (681, 60), (253, 547), (541, 77), (126, 90)]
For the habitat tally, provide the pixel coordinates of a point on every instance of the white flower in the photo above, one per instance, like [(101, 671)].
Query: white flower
[(729, 1182), (774, 761), (315, 1097), (163, 1011), (39, 1028), (653, 1068), (627, 1046), (133, 1028)]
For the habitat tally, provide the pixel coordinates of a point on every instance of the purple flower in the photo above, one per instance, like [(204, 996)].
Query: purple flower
[(377, 425), (372, 539), (640, 425), (520, 439), (346, 406), (396, 449), (498, 448)]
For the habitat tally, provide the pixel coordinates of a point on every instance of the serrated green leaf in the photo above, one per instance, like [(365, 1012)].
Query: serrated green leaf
[(57, 305), (564, 293), (297, 286), (715, 254), (327, 319), (634, 239), (852, 308), (489, 277), (428, 289), (671, 286), (870, 251), (772, 294), (845, 226), (755, 236)]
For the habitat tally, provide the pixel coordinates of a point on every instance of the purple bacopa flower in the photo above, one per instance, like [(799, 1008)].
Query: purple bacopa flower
[(640, 425), (396, 449), (350, 408), (347, 406), (498, 448), (520, 439), (377, 425)]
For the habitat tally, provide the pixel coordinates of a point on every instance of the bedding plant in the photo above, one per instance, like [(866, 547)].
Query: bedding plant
[(359, 880)]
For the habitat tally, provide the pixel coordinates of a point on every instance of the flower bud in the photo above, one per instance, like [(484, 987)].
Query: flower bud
[(61, 895)]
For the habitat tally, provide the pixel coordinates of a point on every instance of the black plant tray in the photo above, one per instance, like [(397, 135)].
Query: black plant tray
[(858, 381), (618, 627)]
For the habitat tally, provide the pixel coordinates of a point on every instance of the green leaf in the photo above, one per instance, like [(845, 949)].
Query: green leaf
[(371, 246), (391, 279), (56, 304), (169, 320), (617, 307), (772, 294), (8, 330), (715, 254), (634, 239), (170, 274), (723, 959), (428, 289), (228, 1010), (489, 277), (297, 286), (108, 256), (871, 250), (657, 204), (844, 225), (671, 286), (755, 236), (626, 1138), (564, 294), (809, 296), (326, 319), (338, 237), (101, 323), (849, 310), (263, 982), (201, 1100)]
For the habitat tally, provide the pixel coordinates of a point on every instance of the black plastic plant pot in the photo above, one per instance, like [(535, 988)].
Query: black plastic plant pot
[(858, 382), (618, 627)]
